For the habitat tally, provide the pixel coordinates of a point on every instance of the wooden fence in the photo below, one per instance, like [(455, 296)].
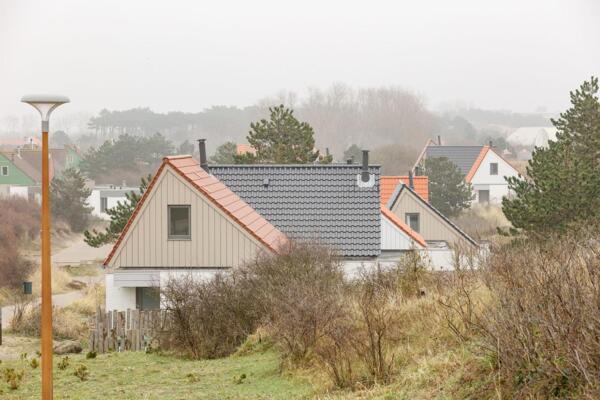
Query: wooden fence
[(131, 330)]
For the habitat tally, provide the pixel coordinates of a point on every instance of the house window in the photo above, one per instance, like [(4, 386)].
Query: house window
[(179, 223), (147, 298), (4, 170), (493, 168), (103, 204), (413, 220), (484, 196)]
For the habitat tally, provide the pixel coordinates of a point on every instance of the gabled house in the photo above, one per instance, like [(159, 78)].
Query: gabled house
[(187, 222), (21, 169), (440, 234), (482, 166)]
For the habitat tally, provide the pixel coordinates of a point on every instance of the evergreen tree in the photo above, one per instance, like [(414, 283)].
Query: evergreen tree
[(69, 199), (119, 215), (354, 153), (225, 154), (562, 187), (282, 140), (448, 191), (186, 148)]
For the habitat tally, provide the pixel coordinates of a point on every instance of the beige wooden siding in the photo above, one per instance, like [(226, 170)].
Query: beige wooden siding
[(432, 226), (216, 239)]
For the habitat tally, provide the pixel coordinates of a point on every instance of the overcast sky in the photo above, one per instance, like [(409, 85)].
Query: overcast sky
[(187, 55)]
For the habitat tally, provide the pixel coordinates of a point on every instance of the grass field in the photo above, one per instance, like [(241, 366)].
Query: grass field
[(450, 374), (151, 376)]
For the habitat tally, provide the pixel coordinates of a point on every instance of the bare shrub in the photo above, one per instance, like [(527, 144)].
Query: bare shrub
[(299, 294), (545, 316), (65, 324), (209, 318), (379, 316)]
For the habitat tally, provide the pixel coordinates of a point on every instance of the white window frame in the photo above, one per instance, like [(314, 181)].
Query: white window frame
[(103, 204), (407, 218), (4, 168)]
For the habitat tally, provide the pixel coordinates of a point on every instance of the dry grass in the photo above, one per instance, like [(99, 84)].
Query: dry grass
[(480, 221)]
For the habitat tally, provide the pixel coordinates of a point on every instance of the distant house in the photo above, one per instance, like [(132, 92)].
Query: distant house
[(390, 183), (21, 169), (532, 136), (482, 166), (440, 234), (26, 142), (103, 198), (243, 148)]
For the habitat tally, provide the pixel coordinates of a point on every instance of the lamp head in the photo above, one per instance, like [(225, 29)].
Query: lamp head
[(45, 103)]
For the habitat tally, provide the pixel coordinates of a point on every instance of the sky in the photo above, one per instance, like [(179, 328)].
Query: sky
[(188, 55)]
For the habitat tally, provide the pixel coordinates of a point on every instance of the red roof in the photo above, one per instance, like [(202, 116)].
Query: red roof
[(405, 228), (388, 184), (243, 148), (477, 163), (220, 195)]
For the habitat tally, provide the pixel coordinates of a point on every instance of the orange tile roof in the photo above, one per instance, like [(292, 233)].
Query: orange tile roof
[(405, 228), (477, 163), (388, 184), (220, 195), (243, 148)]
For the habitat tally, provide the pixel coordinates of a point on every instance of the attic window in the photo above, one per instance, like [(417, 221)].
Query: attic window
[(413, 220), (4, 170), (493, 168), (180, 222)]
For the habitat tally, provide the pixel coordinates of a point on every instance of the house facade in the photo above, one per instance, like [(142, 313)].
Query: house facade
[(103, 198), (442, 236), (482, 166), (187, 223)]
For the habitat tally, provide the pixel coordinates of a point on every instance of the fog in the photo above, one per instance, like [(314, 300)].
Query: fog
[(188, 55)]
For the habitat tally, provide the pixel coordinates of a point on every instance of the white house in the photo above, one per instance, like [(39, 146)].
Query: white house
[(483, 167), (104, 197)]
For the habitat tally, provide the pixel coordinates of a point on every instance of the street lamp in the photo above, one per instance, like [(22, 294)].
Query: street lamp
[(45, 104)]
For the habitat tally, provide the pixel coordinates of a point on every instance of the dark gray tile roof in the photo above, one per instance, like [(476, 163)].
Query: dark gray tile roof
[(462, 156), (320, 202)]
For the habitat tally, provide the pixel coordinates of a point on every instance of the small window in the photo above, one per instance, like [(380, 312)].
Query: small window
[(413, 220), (147, 298), (103, 204), (179, 223), (4, 170), (493, 168)]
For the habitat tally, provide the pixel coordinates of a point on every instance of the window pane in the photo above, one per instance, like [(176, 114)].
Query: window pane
[(494, 169), (179, 221), (412, 220)]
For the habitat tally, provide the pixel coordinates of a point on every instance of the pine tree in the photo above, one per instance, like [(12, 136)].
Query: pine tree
[(69, 199), (562, 187), (448, 191), (119, 215), (282, 140), (225, 154)]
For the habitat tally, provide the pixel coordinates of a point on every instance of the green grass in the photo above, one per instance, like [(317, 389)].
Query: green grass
[(151, 376)]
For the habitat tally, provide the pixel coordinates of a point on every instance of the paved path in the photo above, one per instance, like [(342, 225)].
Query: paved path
[(76, 252)]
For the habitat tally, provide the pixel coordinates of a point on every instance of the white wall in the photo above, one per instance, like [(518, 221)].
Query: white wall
[(19, 191), (94, 201), (118, 298), (496, 184), (392, 238)]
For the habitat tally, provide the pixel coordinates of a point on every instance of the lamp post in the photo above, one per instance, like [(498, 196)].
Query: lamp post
[(45, 104)]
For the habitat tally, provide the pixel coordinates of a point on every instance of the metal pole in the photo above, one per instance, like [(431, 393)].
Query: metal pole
[(46, 272)]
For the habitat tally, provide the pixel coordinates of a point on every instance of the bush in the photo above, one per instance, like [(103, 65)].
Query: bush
[(299, 294), (65, 324), (544, 317), (209, 319)]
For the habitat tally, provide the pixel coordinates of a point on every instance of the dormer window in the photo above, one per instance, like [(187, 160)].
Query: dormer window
[(180, 222), (493, 168)]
